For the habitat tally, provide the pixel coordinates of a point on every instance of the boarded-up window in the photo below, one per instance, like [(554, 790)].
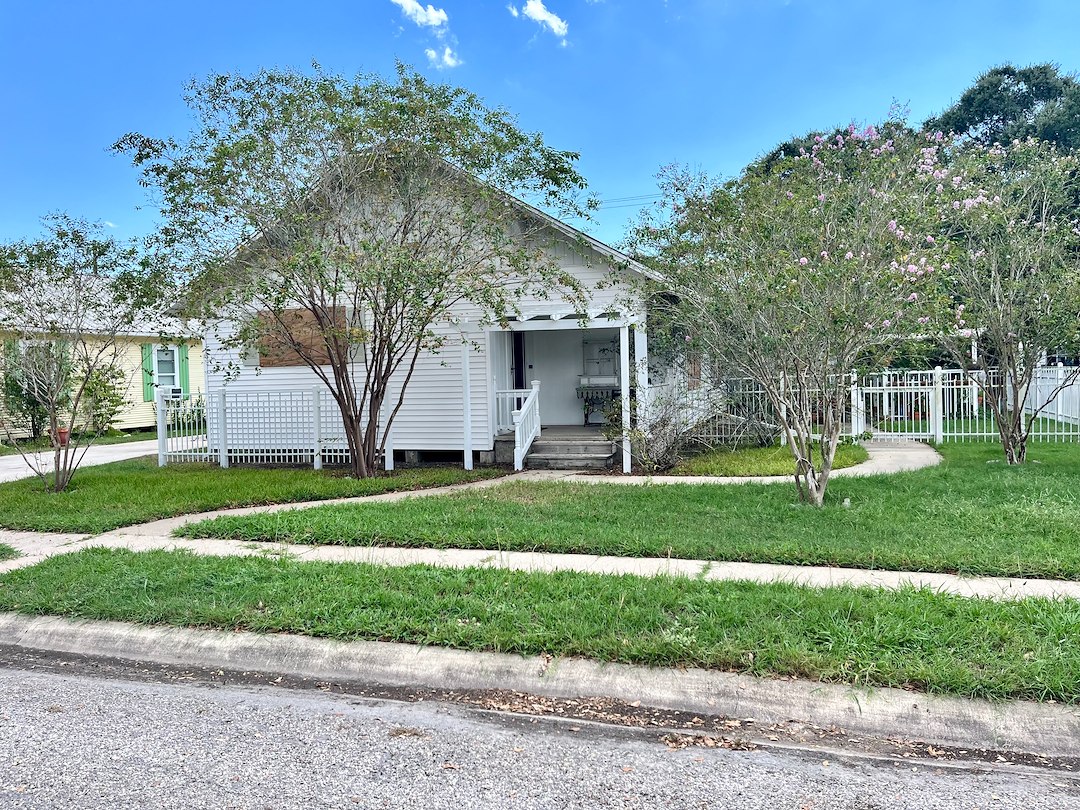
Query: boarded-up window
[(693, 373), (279, 338)]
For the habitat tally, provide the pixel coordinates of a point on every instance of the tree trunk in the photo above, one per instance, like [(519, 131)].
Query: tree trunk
[(1015, 446), (354, 437)]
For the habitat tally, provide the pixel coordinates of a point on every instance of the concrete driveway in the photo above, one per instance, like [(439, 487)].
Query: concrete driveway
[(14, 467)]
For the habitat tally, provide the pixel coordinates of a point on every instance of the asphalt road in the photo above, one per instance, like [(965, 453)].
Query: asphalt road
[(87, 741)]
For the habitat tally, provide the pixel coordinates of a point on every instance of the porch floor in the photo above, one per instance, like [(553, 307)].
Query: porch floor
[(556, 432), (562, 433)]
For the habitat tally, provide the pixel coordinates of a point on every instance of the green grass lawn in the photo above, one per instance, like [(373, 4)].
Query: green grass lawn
[(127, 492), (7, 552), (758, 461), (116, 438), (972, 514), (915, 639)]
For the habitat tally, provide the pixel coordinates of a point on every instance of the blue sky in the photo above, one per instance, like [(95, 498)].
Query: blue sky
[(630, 84)]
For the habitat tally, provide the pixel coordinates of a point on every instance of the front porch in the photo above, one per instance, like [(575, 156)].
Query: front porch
[(557, 383)]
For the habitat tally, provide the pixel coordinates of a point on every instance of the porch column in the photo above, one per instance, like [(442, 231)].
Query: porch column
[(624, 370), (641, 368), (466, 405)]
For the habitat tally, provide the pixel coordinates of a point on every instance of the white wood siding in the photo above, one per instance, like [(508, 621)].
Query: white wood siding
[(432, 417)]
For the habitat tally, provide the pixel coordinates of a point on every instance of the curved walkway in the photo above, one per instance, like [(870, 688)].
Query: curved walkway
[(884, 458)]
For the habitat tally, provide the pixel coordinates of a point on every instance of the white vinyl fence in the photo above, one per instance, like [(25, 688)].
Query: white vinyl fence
[(304, 427), (940, 404), (293, 428)]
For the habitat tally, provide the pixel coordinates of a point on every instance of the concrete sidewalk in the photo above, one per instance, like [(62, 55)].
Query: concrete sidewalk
[(12, 468), (36, 547)]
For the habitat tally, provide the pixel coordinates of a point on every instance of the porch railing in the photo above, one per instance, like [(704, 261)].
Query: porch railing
[(526, 425), (506, 402)]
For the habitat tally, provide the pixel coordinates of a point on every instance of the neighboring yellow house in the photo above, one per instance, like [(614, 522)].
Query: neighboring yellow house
[(154, 365), (149, 364)]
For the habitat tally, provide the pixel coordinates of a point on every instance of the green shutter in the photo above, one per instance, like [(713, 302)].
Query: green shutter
[(185, 373), (9, 364), (147, 372)]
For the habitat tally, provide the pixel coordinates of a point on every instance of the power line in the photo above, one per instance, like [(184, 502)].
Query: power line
[(630, 199)]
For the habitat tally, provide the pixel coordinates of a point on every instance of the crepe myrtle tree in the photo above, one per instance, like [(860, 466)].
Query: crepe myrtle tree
[(65, 300), (796, 275), (345, 221), (1011, 284)]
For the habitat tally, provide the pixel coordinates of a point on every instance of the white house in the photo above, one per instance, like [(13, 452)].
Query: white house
[(474, 400)]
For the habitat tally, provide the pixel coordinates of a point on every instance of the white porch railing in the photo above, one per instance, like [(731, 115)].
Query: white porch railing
[(506, 402), (526, 425)]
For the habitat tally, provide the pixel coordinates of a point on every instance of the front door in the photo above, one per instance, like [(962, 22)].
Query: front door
[(517, 363)]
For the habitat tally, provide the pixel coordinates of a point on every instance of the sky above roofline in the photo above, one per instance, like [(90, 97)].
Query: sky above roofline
[(632, 86)]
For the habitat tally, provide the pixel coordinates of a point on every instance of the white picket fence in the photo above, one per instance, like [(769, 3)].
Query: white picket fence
[(291, 428)]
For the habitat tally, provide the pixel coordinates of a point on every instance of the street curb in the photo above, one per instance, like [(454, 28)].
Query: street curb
[(1046, 729)]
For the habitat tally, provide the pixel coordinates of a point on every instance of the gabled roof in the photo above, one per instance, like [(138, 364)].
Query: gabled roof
[(602, 248)]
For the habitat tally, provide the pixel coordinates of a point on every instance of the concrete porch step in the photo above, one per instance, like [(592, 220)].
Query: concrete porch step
[(550, 447), (568, 461)]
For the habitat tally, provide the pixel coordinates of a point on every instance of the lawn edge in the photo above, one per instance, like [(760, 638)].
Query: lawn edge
[(1014, 725)]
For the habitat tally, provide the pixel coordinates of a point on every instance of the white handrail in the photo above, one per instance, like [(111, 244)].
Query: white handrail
[(526, 425), (506, 402)]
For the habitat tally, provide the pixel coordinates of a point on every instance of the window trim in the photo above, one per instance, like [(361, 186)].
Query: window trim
[(157, 347)]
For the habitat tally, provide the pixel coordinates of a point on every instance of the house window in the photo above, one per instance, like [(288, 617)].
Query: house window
[(164, 367)]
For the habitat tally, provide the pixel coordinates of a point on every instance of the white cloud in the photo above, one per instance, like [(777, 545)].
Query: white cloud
[(447, 59), (110, 224), (536, 10), (512, 9), (428, 15)]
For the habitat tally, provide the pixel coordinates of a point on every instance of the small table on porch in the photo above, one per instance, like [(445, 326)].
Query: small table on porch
[(596, 395)]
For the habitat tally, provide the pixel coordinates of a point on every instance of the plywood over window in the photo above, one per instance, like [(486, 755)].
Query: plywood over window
[(303, 328), (693, 373)]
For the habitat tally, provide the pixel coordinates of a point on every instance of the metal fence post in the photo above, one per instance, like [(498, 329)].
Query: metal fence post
[(162, 428), (1058, 380), (223, 436), (316, 417), (783, 413), (937, 407), (856, 406)]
